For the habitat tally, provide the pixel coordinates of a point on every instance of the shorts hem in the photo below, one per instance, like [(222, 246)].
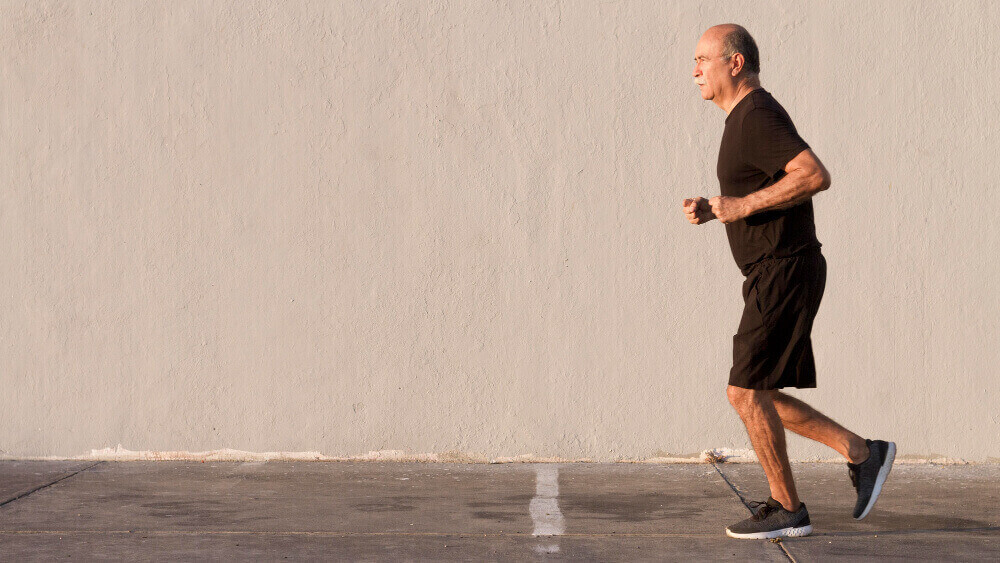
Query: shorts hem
[(767, 387)]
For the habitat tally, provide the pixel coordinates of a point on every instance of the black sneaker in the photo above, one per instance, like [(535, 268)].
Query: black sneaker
[(772, 521), (869, 475)]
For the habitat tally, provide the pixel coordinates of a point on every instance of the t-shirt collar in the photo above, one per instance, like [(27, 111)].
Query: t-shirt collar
[(741, 102)]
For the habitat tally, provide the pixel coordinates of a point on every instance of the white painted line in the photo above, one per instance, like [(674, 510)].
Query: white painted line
[(545, 506)]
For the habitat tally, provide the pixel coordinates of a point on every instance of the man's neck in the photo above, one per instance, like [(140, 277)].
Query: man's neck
[(744, 88)]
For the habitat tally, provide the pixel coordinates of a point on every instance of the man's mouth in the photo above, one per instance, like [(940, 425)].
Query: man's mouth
[(699, 82)]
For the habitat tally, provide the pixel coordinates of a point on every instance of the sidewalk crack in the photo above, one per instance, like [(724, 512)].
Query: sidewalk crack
[(27, 492), (715, 466)]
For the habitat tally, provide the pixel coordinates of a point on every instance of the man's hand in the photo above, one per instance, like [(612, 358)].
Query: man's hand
[(728, 209), (697, 210)]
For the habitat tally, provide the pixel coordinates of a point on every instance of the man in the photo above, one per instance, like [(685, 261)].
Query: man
[(768, 176)]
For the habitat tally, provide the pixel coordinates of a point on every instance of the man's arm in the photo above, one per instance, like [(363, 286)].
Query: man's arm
[(804, 177)]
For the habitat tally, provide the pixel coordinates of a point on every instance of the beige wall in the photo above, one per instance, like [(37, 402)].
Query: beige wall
[(455, 226)]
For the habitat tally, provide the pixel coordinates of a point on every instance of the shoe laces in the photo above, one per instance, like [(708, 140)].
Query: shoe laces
[(760, 509)]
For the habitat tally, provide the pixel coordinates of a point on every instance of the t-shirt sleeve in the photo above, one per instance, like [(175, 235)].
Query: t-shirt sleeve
[(770, 140)]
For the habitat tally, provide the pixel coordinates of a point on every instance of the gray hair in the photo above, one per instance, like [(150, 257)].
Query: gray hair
[(740, 41)]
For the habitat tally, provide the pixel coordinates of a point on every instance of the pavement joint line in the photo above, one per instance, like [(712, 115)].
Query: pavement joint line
[(788, 554), (45, 485), (339, 534), (781, 545), (731, 486)]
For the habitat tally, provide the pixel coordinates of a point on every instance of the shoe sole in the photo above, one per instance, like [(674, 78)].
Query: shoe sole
[(883, 473), (793, 532)]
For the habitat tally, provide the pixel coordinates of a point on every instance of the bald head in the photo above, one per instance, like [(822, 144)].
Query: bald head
[(732, 39)]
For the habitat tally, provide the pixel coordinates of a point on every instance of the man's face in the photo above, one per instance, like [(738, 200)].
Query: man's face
[(711, 69)]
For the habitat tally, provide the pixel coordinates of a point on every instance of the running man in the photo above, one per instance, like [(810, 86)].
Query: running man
[(768, 175)]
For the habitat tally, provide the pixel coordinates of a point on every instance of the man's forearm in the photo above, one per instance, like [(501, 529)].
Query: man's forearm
[(795, 188)]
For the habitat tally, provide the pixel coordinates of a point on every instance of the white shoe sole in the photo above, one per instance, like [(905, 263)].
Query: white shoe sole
[(883, 472), (794, 532)]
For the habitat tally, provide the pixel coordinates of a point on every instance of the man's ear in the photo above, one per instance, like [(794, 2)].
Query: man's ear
[(737, 63)]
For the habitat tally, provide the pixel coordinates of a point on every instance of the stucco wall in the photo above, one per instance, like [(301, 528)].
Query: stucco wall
[(456, 227)]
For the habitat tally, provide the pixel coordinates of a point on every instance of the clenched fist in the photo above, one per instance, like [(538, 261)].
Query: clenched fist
[(727, 209), (697, 210)]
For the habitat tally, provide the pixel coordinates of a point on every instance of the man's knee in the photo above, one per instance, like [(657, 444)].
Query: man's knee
[(743, 399)]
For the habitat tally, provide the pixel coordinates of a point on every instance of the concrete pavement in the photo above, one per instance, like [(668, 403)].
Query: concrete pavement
[(440, 511)]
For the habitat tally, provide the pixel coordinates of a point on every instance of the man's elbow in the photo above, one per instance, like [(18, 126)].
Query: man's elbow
[(820, 180)]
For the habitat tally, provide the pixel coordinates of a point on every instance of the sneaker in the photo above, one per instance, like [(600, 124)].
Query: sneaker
[(869, 475), (771, 520)]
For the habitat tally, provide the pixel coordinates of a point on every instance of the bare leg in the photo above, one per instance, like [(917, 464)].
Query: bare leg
[(810, 423), (767, 435)]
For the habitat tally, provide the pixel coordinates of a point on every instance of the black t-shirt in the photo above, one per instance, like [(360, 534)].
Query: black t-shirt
[(758, 142)]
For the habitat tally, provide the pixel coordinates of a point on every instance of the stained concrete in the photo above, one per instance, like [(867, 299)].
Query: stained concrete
[(377, 511), (373, 511), (656, 499)]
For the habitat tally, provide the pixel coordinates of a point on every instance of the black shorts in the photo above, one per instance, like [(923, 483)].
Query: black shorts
[(772, 348)]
